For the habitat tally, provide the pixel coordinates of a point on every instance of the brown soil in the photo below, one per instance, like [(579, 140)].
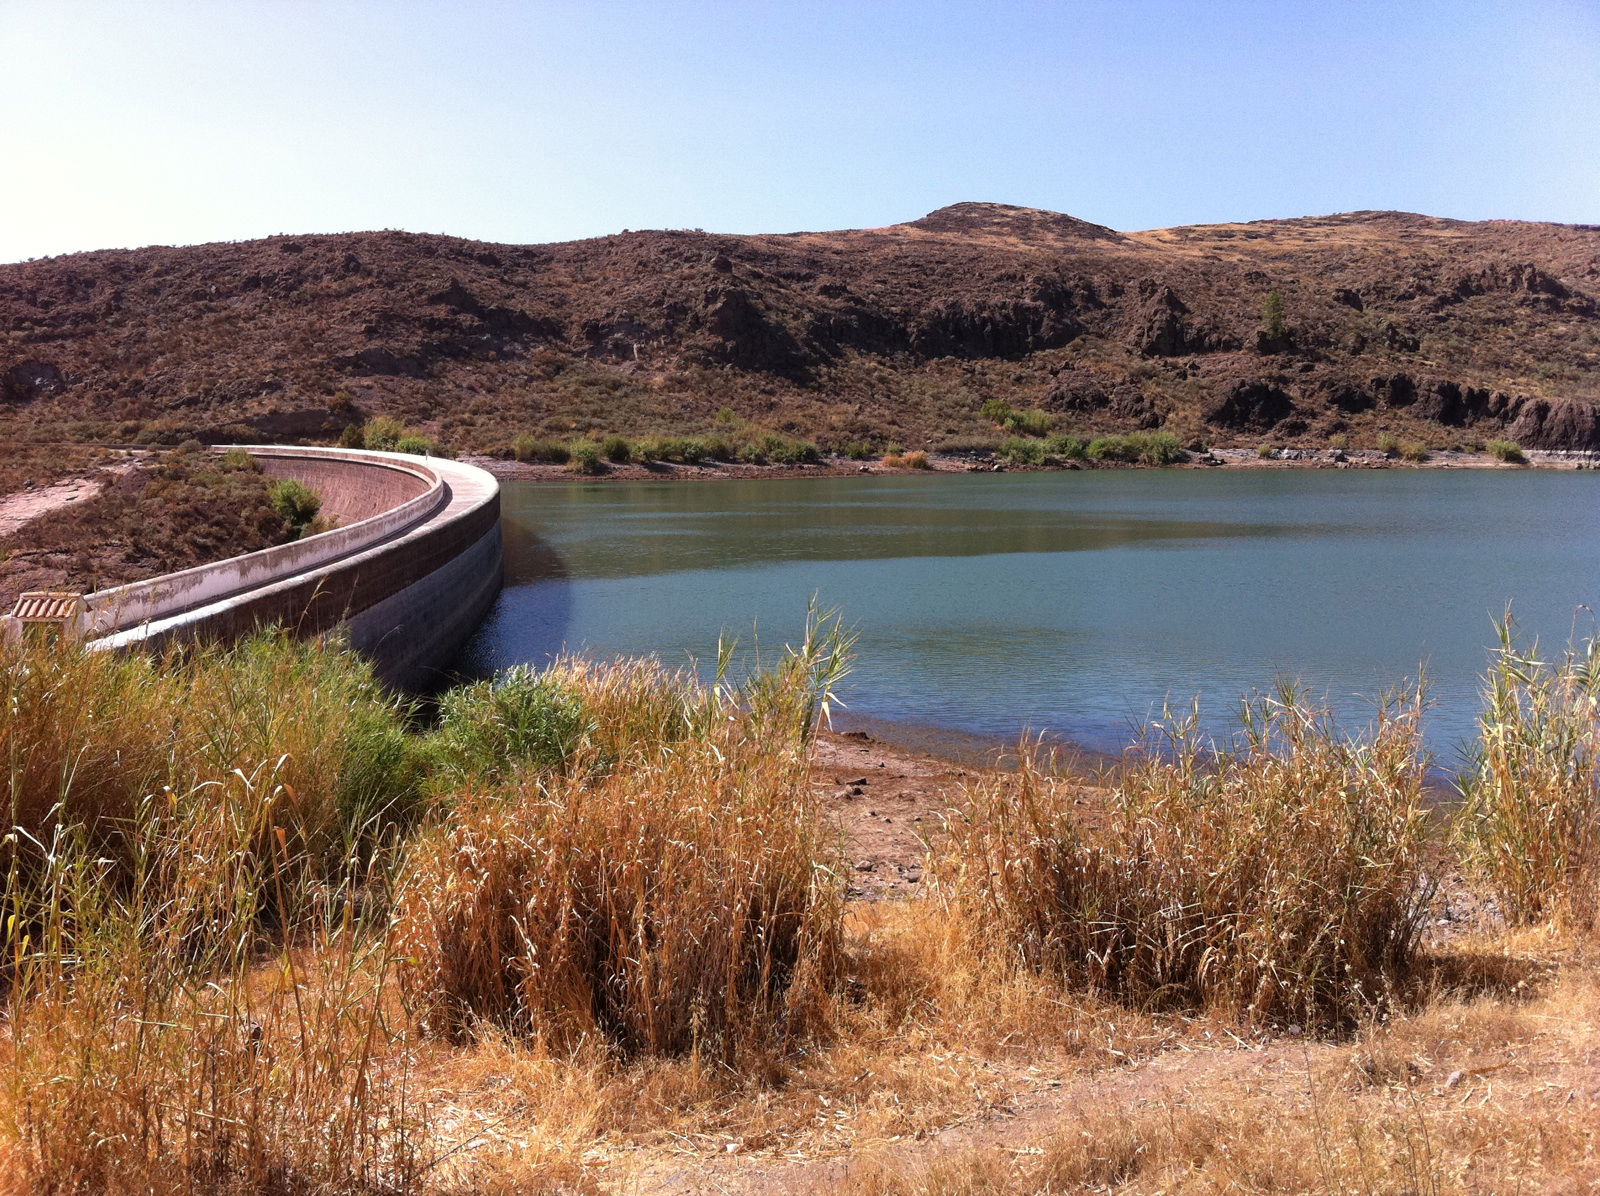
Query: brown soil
[(1440, 331), (24, 506), (884, 800)]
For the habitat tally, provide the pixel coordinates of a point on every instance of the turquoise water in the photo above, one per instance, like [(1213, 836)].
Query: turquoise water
[(1067, 603)]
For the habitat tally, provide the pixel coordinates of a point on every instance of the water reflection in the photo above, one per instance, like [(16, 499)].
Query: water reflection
[(1066, 603)]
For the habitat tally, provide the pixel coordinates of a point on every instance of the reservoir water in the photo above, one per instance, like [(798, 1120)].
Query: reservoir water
[(1068, 603)]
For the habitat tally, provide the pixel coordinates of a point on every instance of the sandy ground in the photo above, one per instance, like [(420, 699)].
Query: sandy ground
[(26, 505), (885, 801)]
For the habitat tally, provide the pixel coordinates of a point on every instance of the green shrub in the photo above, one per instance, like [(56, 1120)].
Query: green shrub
[(352, 437), (1266, 452), (860, 451), (798, 452), (776, 450), (530, 448), (1388, 444), (616, 449), (382, 433), (583, 456), (1021, 451), (417, 446), (296, 502), (1029, 423), (717, 448), (996, 411), (1067, 447), (1508, 451), (1138, 448), (491, 730), (683, 450), (238, 459), (1272, 321), (1414, 451)]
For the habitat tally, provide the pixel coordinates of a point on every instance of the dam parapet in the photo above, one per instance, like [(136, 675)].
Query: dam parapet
[(410, 572)]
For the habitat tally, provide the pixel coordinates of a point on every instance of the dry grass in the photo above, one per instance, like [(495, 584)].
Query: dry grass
[(916, 459), (206, 1011), (921, 1034), (1473, 1095), (673, 892), (1530, 826), (682, 905), (1282, 880), (624, 912), (28, 465)]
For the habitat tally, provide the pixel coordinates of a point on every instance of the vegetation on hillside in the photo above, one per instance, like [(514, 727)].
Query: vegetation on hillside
[(977, 322)]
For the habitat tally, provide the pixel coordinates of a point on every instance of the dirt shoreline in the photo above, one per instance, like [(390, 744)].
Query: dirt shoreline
[(841, 467)]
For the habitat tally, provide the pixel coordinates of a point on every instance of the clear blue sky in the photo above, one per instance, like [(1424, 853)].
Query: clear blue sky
[(131, 122)]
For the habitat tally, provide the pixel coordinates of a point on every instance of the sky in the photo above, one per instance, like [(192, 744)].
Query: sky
[(134, 122)]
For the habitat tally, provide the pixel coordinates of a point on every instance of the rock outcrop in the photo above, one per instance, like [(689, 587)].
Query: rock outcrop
[(1390, 322)]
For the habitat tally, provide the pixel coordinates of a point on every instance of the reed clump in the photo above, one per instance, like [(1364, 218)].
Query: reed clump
[(1281, 880), (1529, 826), (685, 900), (86, 736), (154, 1044), (100, 750), (206, 1007)]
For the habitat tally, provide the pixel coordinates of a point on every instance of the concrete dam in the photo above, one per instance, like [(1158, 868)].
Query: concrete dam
[(410, 571)]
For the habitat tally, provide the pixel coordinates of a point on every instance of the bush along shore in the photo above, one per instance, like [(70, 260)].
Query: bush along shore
[(1023, 438), (269, 929)]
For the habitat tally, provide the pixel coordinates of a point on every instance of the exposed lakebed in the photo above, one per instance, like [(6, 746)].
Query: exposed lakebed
[(1067, 603)]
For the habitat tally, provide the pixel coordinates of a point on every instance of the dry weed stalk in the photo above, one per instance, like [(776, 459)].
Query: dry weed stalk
[(674, 892), (1282, 880), (157, 1041), (1530, 820)]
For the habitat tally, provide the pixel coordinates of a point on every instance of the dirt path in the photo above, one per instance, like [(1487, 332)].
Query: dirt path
[(1036, 1107), (26, 505)]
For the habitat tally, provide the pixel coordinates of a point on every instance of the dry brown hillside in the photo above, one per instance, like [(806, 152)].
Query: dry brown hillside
[(1441, 330)]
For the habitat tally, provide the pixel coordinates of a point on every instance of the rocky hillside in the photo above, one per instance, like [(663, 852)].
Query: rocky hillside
[(1289, 331)]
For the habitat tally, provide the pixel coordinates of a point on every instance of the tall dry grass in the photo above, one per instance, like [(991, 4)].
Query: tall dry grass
[(1281, 880), (682, 898), (1529, 826), (195, 950), (159, 1040), (88, 738)]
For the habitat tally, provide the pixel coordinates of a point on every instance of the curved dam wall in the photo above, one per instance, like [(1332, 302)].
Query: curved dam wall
[(411, 572)]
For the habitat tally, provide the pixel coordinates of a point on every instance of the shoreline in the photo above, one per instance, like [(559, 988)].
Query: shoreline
[(1569, 460)]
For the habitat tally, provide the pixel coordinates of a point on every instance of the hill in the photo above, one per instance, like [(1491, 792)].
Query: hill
[(1441, 330)]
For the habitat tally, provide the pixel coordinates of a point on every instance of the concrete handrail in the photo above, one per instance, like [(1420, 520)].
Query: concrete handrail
[(141, 602)]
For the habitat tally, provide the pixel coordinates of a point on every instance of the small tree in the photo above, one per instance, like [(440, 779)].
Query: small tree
[(296, 503), (1272, 316)]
